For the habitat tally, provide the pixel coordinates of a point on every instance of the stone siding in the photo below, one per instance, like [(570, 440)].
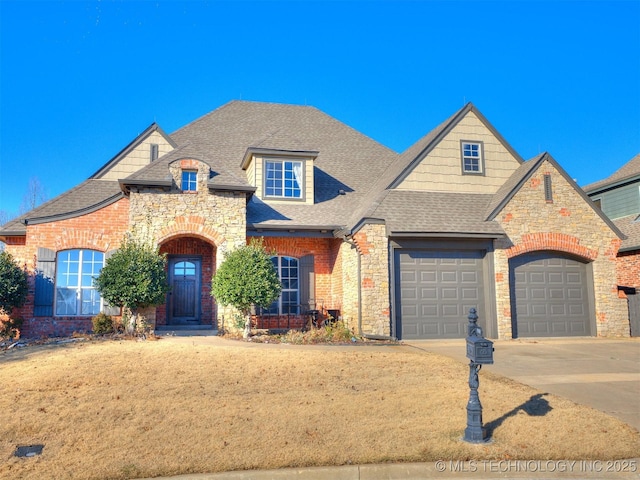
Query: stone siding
[(373, 245), (566, 224)]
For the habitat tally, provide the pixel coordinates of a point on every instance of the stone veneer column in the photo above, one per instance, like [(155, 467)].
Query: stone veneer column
[(373, 245)]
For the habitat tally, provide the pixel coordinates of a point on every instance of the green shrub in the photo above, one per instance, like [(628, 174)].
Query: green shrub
[(246, 278), (13, 284), (134, 277), (102, 324)]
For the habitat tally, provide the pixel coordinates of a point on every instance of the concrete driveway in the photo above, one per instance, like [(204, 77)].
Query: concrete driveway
[(599, 372)]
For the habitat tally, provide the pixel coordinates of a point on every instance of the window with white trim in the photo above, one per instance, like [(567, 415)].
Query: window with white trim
[(75, 293), (283, 179), (472, 157), (289, 300), (189, 180)]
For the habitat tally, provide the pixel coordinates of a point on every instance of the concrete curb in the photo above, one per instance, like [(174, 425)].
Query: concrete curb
[(459, 470)]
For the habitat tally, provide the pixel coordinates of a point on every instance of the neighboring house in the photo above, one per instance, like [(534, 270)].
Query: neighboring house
[(618, 196), (398, 245)]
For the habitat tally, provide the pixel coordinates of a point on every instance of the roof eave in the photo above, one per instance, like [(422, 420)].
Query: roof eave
[(403, 234), (610, 186), (126, 184), (231, 188), (325, 231), (251, 151), (74, 213)]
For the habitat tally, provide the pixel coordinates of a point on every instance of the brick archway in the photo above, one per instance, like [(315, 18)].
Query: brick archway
[(191, 226), (559, 242)]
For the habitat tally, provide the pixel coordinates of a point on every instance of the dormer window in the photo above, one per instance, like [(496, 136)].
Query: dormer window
[(189, 180), (284, 179), (472, 161)]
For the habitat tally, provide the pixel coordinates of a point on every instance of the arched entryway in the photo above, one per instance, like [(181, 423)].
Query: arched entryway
[(190, 266)]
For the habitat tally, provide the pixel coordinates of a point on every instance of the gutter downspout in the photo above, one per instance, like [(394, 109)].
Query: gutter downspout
[(368, 336)]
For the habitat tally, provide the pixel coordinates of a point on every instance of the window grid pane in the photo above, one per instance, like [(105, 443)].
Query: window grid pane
[(189, 183), (75, 293), (283, 179), (471, 161), (288, 302)]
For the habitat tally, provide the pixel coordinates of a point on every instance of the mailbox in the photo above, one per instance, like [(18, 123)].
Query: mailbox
[(479, 350)]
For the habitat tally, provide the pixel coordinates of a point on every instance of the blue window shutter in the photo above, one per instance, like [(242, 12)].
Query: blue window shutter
[(45, 283), (307, 283)]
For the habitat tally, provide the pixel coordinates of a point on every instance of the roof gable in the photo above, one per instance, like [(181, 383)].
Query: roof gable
[(434, 163), (136, 154), (408, 161), (524, 173)]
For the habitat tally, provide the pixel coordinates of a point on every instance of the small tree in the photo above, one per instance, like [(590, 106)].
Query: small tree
[(133, 277), (13, 284), (246, 278)]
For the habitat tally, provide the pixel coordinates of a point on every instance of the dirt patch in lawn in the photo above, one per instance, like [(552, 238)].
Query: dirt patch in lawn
[(126, 409)]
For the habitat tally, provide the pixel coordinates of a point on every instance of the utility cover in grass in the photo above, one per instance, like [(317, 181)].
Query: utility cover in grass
[(28, 450)]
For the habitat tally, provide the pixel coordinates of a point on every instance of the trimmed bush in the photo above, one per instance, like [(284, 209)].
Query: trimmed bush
[(102, 324)]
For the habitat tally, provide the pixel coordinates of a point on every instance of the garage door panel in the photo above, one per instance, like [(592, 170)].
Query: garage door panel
[(448, 285), (449, 293), (550, 295), (429, 311), (556, 293), (574, 278), (469, 294), (537, 294), (469, 277), (535, 277), (429, 293), (428, 277), (449, 277), (556, 277)]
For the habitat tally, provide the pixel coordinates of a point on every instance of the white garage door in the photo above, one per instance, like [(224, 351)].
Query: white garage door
[(435, 290), (551, 296)]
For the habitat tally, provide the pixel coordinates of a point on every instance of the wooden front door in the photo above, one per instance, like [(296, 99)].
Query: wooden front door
[(184, 297)]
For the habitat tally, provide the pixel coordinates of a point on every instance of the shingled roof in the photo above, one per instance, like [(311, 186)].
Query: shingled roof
[(344, 167), (89, 196), (629, 171), (432, 213)]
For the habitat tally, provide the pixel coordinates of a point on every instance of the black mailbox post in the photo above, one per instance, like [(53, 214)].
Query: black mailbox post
[(479, 352)]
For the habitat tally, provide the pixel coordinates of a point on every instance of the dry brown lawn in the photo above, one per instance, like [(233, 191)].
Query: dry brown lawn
[(125, 409)]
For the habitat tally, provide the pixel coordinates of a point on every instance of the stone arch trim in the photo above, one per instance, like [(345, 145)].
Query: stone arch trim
[(190, 226), (559, 242)]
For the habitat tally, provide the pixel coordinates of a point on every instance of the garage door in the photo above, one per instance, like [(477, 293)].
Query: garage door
[(435, 290), (551, 296)]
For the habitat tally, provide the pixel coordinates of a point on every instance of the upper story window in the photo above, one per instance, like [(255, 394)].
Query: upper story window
[(189, 180), (75, 293), (283, 179), (472, 161)]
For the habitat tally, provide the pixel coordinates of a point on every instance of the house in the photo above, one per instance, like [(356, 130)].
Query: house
[(618, 196), (399, 245)]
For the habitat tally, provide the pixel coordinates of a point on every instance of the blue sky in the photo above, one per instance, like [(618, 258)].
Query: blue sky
[(80, 79)]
